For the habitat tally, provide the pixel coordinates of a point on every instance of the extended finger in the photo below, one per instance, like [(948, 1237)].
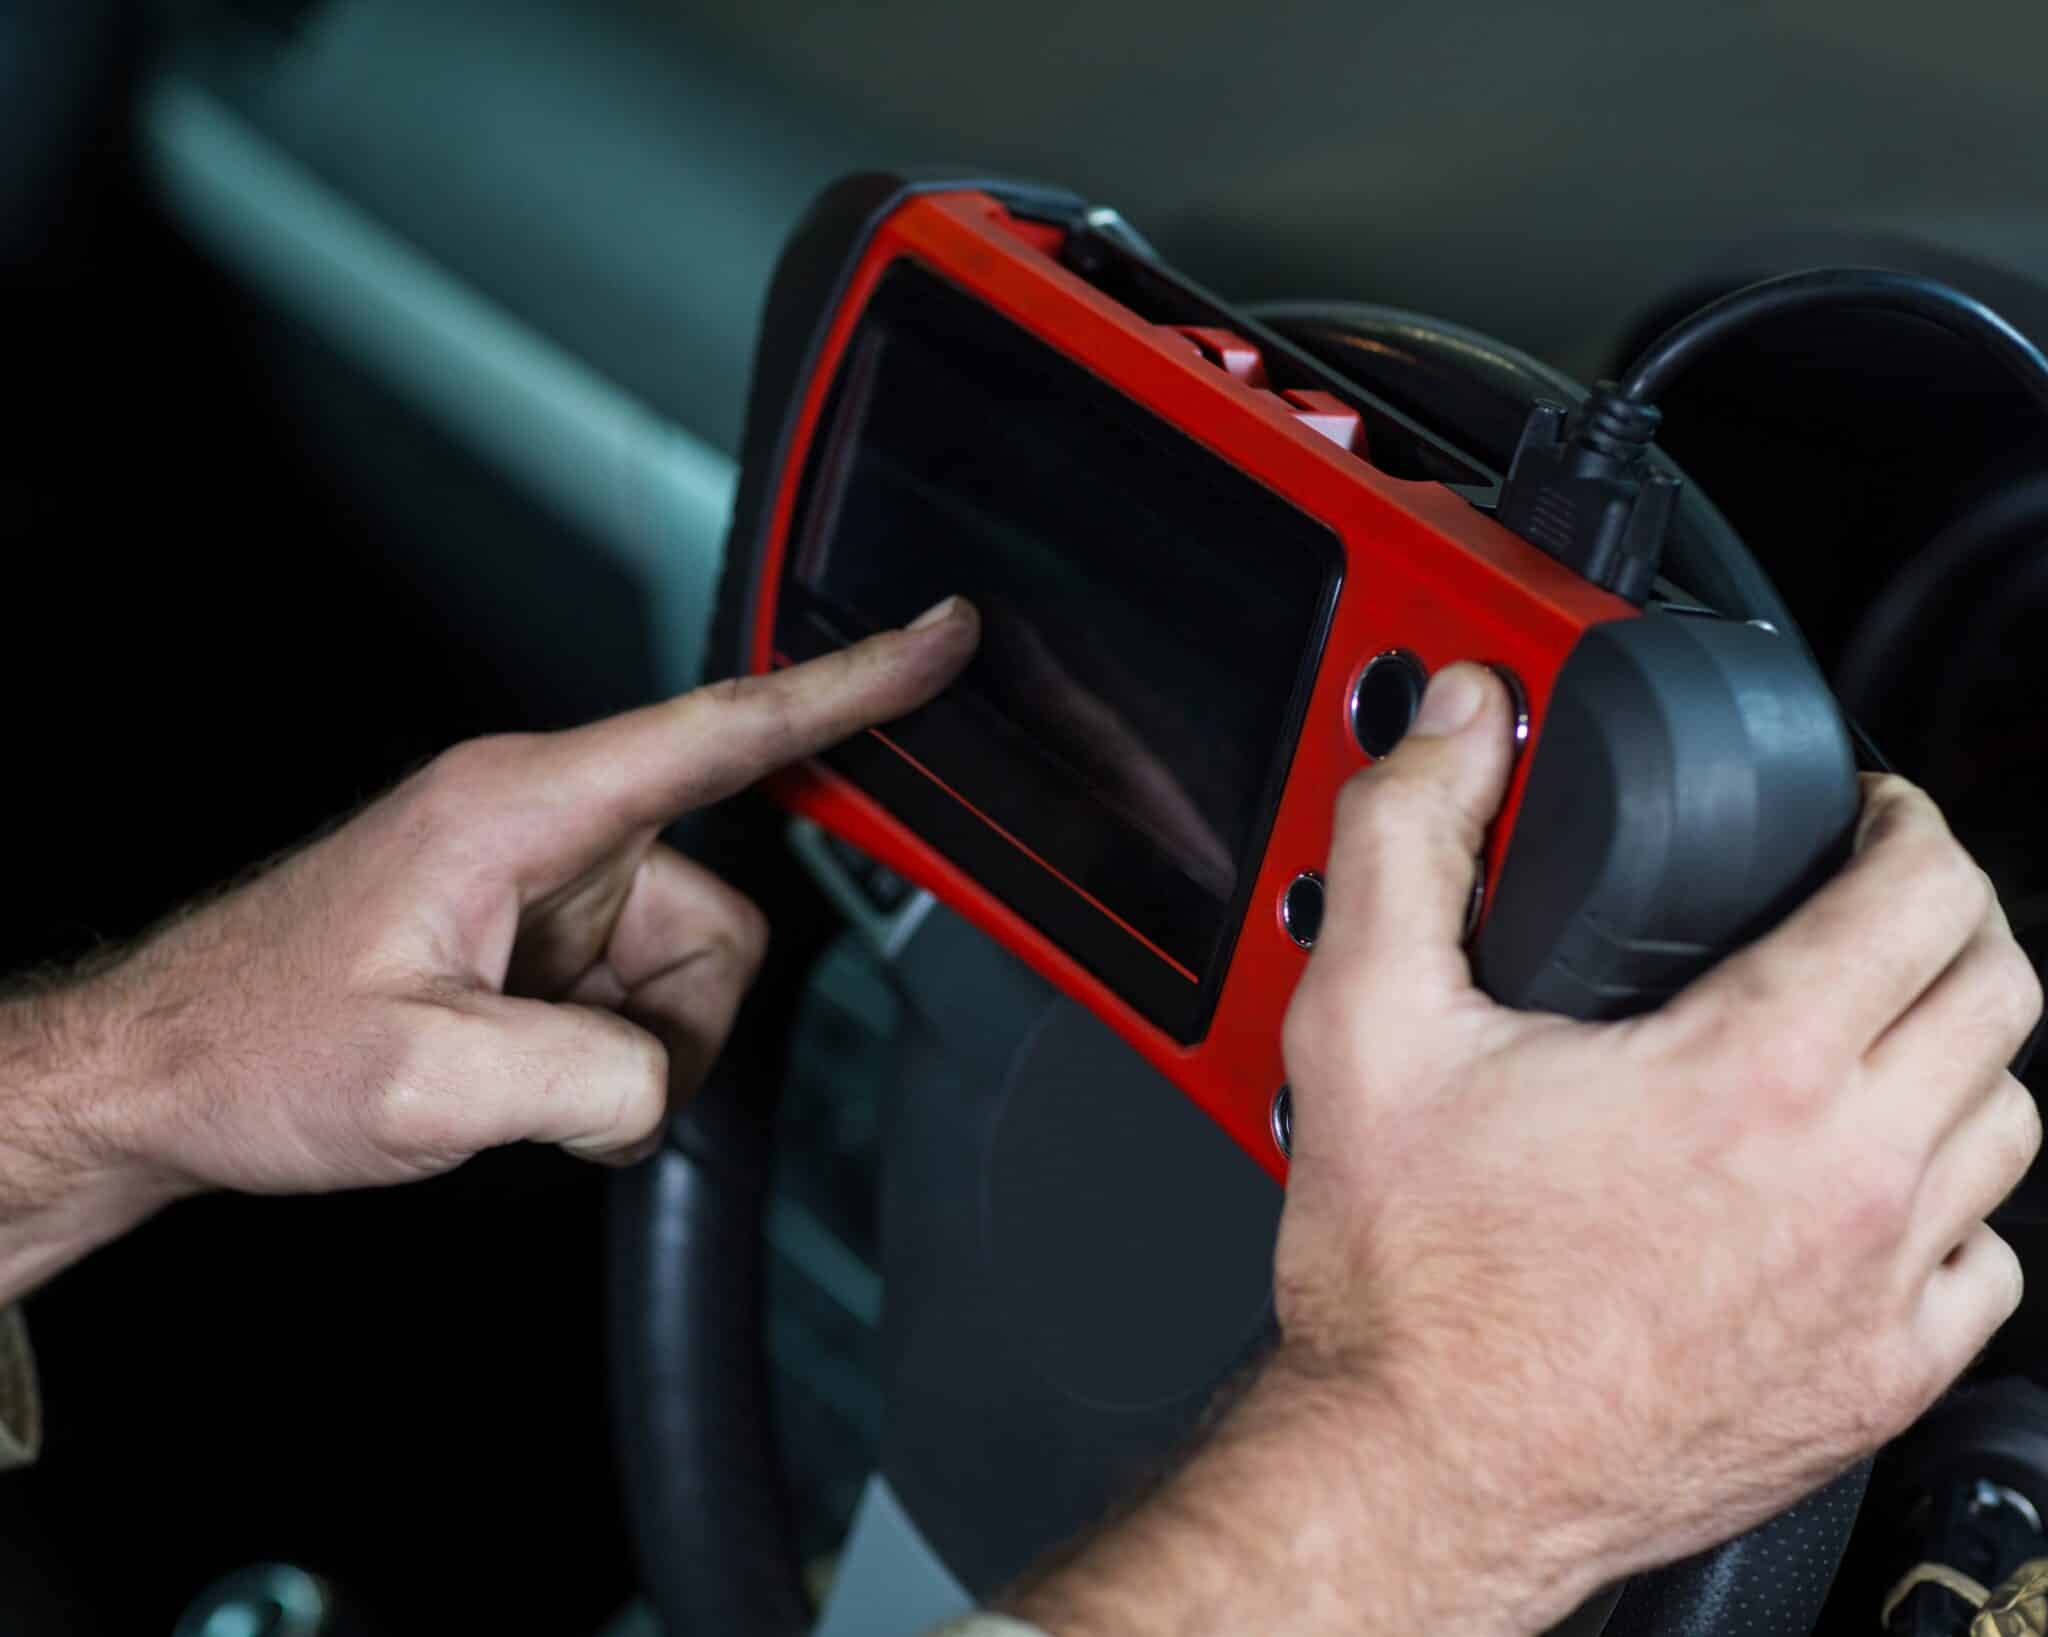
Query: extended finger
[(1968, 1296), (1961, 1032), (1978, 1163), (650, 766), (1850, 961)]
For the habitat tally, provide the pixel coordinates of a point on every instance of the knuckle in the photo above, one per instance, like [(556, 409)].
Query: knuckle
[(1895, 791), (1968, 887), (2002, 1279), (391, 1115), (1878, 1198), (649, 1071), (635, 1082), (2019, 990), (761, 703), (448, 789), (1381, 798), (1314, 1035), (2028, 980), (643, 1096), (636, 1057), (1393, 818), (465, 764), (410, 1122), (1895, 810), (1937, 894), (2013, 1272), (1363, 801), (746, 929), (1958, 875), (1724, 1018), (1999, 997), (404, 1113), (2020, 1131), (1940, 871), (1304, 1031), (1795, 1074)]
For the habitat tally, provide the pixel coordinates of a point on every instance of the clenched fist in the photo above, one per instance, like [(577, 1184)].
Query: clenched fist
[(499, 950)]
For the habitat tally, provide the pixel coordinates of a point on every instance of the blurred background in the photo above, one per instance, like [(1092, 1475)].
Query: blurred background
[(374, 374)]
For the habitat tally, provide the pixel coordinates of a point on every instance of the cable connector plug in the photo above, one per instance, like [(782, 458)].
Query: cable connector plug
[(1582, 488)]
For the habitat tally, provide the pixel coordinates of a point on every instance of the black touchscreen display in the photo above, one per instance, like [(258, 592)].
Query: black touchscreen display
[(1110, 763)]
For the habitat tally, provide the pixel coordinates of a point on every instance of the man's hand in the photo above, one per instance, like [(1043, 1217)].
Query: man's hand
[(499, 950), (1560, 1301)]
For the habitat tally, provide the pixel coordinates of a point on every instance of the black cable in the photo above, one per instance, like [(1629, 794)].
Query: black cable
[(1679, 347), (1582, 485), (1477, 393)]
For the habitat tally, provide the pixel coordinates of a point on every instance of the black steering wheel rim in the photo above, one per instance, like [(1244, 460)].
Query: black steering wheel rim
[(707, 1498)]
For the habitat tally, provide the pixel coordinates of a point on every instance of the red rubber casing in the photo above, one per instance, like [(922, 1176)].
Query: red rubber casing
[(1425, 572)]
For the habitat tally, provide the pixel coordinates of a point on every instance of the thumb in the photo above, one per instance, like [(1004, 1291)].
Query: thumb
[(1404, 856)]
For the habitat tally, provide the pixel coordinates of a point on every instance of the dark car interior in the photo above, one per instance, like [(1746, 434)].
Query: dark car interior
[(378, 372)]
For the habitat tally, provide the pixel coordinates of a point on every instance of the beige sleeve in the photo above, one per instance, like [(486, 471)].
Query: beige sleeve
[(987, 1625), (21, 1406)]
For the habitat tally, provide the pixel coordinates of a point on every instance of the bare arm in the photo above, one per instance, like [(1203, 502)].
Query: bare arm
[(1312, 1508), (500, 950), (66, 1186)]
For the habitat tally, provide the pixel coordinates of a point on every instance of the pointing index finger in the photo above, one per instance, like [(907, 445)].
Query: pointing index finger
[(650, 766)]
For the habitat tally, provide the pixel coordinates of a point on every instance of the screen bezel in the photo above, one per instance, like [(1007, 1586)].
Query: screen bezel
[(1178, 1001)]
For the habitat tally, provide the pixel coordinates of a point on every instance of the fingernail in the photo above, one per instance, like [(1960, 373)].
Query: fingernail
[(1455, 696), (937, 612)]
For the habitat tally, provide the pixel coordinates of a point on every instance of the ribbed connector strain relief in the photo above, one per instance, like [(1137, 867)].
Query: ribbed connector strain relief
[(1616, 426)]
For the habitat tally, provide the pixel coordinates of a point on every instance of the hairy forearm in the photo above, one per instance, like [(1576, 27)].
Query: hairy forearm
[(70, 1177), (1311, 1510)]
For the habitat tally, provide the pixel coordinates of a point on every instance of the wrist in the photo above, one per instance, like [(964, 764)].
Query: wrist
[(1442, 1533), (74, 1171), (1317, 1504)]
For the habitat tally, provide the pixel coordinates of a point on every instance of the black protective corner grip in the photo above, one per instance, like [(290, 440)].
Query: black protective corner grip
[(1693, 783)]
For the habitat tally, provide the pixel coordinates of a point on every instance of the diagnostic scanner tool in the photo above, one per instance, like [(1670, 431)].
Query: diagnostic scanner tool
[(1214, 578)]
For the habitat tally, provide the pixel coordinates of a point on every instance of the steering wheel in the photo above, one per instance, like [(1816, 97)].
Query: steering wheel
[(1075, 1259)]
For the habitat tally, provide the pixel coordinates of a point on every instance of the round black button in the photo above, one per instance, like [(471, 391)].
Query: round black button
[(1518, 698), (1301, 908), (1384, 703)]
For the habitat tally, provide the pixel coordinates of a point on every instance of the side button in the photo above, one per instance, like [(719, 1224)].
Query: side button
[(1384, 703), (1331, 416), (1301, 908), (1518, 698), (1228, 351), (1283, 1122)]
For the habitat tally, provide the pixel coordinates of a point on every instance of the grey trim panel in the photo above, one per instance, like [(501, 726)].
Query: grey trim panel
[(890, 1582), (642, 488), (888, 933), (795, 1231)]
